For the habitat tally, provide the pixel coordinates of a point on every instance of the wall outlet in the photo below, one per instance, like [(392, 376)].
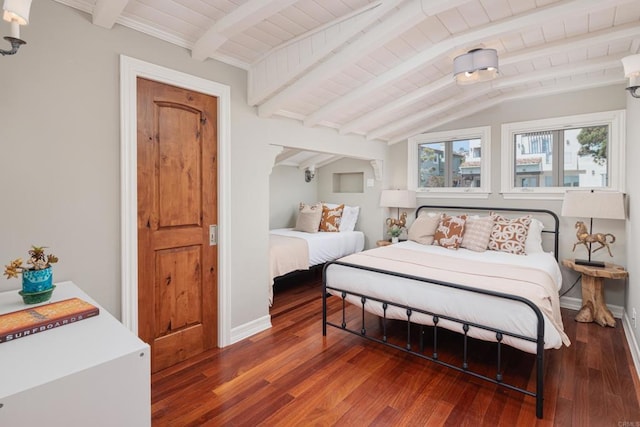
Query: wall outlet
[(633, 316)]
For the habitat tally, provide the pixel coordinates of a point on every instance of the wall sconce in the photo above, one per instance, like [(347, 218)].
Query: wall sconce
[(632, 72), (477, 65), (17, 13), (309, 173)]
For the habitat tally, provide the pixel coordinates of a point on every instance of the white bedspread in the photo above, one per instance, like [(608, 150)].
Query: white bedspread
[(508, 315), (322, 247)]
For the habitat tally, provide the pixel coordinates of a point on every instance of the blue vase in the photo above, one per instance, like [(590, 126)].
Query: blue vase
[(37, 280)]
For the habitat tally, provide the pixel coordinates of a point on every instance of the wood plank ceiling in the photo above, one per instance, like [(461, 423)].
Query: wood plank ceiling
[(383, 68)]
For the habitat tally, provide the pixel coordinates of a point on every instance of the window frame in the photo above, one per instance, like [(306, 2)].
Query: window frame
[(615, 120), (483, 133)]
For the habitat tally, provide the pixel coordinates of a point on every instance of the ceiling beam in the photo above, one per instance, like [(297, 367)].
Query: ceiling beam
[(247, 15), (518, 23), (399, 103), (562, 46), (584, 67), (349, 27), (605, 36), (409, 15), (317, 161), (286, 154), (527, 93), (106, 12)]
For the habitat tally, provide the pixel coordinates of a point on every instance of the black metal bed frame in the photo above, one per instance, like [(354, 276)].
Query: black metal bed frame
[(436, 317)]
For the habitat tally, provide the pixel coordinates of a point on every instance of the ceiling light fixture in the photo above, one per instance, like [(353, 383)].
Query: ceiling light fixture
[(17, 13), (477, 65), (632, 72)]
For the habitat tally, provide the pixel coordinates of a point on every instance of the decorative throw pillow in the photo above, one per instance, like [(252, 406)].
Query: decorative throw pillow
[(330, 220), (509, 235), (349, 216), (309, 217), (449, 232), (423, 228), (533, 244), (477, 232)]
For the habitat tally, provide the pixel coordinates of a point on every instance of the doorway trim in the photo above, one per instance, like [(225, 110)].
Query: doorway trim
[(130, 70)]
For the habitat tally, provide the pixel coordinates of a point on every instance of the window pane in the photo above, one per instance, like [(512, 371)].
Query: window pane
[(450, 162), (467, 165), (581, 162), (431, 164), (534, 159), (551, 155), (585, 157)]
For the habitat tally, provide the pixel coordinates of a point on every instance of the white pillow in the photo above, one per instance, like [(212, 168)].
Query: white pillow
[(423, 228), (349, 216), (533, 244), (309, 217)]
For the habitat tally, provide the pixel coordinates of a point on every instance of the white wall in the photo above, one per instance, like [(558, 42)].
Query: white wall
[(633, 223), (288, 188), (370, 219), (60, 148), (588, 101)]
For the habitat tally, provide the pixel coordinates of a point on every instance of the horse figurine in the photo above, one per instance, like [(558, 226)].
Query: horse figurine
[(586, 239), (401, 222)]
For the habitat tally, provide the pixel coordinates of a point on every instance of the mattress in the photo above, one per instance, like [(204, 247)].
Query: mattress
[(446, 265)]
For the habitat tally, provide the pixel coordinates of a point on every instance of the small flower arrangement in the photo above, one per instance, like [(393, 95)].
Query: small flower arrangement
[(395, 230), (38, 260)]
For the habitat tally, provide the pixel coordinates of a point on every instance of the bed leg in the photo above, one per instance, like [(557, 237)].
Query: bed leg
[(324, 304), (539, 382)]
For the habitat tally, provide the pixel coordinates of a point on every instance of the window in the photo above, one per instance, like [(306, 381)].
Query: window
[(542, 158), (454, 162)]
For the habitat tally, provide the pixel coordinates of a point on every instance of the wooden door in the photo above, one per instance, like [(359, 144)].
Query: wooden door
[(177, 202)]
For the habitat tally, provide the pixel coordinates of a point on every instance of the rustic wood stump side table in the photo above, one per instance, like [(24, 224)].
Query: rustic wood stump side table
[(594, 307)]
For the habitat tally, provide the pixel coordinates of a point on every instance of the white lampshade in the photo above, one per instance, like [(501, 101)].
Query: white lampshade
[(398, 199), (631, 65), (593, 204), (17, 11)]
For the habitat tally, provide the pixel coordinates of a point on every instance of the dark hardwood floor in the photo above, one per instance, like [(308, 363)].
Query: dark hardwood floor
[(292, 375)]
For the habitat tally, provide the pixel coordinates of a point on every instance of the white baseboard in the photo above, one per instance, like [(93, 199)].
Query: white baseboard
[(631, 340), (244, 331), (576, 303)]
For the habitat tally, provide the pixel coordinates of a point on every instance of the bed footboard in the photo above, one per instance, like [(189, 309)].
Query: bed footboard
[(465, 326)]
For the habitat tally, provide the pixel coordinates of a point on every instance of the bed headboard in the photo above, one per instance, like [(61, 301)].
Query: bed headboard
[(535, 212)]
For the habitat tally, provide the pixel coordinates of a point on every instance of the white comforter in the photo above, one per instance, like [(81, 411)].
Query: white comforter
[(507, 315)]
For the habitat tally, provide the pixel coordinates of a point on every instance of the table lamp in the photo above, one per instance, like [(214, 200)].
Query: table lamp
[(397, 199), (593, 204)]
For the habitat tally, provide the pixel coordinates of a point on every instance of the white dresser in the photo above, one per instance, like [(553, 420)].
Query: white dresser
[(90, 373)]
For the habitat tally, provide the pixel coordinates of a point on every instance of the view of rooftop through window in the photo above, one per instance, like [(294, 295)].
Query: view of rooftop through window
[(453, 163), (574, 157)]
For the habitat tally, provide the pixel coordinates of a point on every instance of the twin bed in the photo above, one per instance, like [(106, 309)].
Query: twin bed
[(291, 250), (492, 296)]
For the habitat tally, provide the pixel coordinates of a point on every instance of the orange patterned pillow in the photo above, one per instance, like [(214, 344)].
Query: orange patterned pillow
[(450, 231), (509, 235), (330, 220)]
